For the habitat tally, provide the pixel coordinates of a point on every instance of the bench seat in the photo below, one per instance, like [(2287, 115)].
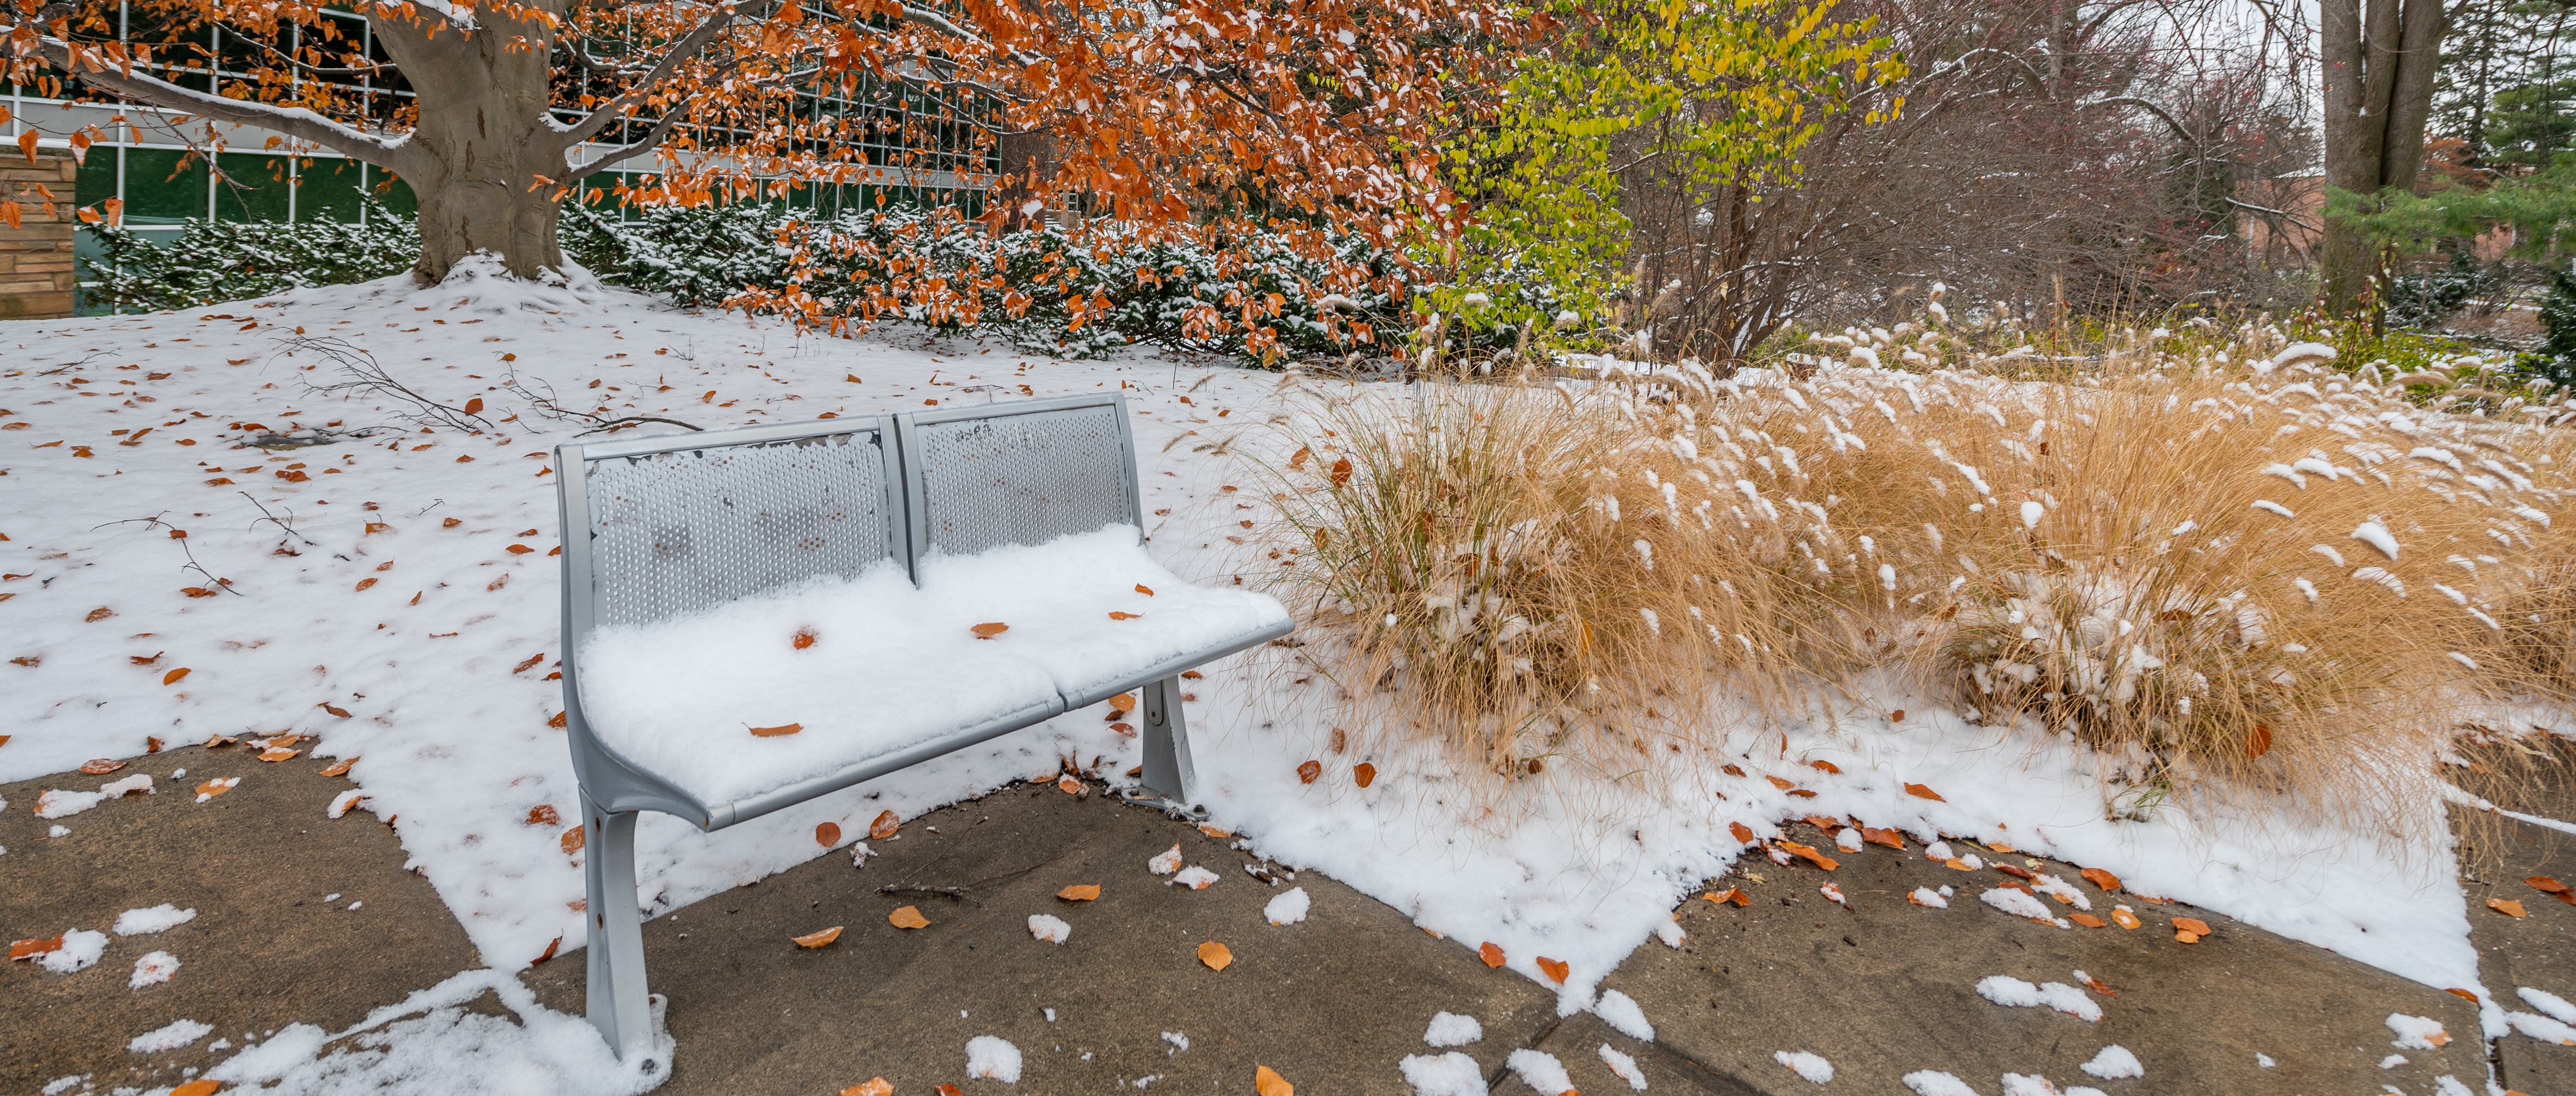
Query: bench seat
[(893, 667)]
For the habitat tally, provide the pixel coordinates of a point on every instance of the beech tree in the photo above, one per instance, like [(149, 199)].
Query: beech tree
[(1168, 115), (2379, 63)]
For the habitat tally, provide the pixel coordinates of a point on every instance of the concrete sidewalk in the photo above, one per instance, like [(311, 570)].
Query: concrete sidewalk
[(1881, 988)]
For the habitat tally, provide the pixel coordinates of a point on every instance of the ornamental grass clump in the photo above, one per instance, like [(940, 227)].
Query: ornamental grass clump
[(2220, 577)]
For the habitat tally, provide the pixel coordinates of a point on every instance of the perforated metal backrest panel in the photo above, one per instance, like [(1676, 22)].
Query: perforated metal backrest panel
[(1023, 478), (681, 531)]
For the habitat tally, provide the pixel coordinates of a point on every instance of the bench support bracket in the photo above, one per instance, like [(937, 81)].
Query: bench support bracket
[(1168, 772), (617, 1003)]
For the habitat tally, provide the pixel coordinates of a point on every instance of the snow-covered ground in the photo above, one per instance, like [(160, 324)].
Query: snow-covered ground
[(395, 594)]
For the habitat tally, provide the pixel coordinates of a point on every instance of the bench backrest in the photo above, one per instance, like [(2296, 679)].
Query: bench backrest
[(1022, 473), (683, 523), (675, 530)]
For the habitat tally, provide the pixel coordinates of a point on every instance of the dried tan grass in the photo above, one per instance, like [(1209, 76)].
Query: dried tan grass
[(2156, 556)]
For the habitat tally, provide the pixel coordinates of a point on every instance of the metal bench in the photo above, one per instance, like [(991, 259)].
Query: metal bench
[(663, 536)]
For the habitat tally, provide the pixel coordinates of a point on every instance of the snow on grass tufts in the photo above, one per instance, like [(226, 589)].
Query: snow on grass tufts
[(2013, 992), (993, 1057), (153, 969), (172, 1036), (2114, 1063), (1450, 1029), (151, 919), (1288, 908), (1540, 1070), (1625, 1066), (1049, 928), (1620, 1011), (1451, 1074), (1811, 1066)]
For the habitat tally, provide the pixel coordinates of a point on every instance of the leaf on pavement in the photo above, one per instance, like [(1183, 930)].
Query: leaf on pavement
[(1555, 969), (2102, 879), (1491, 953), (1080, 892), (909, 917), (819, 939), (2506, 906), (1217, 956), (884, 827), (1267, 1082)]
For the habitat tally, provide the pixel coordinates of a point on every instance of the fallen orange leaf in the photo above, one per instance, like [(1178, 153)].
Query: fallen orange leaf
[(805, 637), (2192, 925), (949, 1090), (1363, 773), (1555, 969), (1141, 588), (1267, 1082), (1876, 836), (274, 756), (1742, 832), (2099, 986), (344, 712), (215, 787), (884, 826), (1215, 955), (1921, 792), (2506, 906), (1776, 782), (544, 814), (1068, 784), (1826, 766), (908, 917), (1116, 615), (1491, 953), (2553, 888), (1079, 892), (572, 840), (101, 766), (2125, 919), (875, 1087), (172, 678), (1123, 702), (1307, 772), (2088, 920), (1956, 864), (2102, 879), (827, 834), (818, 939), (1221, 835), (988, 631), (557, 942), (29, 949), (778, 731), (1808, 853), (2465, 995), (202, 1086), (2187, 936)]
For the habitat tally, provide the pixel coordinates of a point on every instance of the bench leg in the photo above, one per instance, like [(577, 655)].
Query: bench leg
[(617, 1004), (1168, 772)]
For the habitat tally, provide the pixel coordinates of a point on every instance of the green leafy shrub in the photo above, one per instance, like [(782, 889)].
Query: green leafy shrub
[(214, 261)]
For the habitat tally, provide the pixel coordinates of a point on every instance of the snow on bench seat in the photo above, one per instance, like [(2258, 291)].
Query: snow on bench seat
[(892, 667)]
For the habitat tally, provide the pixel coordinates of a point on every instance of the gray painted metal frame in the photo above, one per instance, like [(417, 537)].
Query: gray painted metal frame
[(614, 789)]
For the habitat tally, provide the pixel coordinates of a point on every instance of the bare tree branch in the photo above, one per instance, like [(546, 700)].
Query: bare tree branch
[(292, 121)]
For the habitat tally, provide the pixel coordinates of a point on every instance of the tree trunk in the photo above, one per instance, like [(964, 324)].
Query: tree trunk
[(2378, 71), (1027, 166), (487, 168)]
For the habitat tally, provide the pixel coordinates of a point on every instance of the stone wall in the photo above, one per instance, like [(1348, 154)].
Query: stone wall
[(36, 257)]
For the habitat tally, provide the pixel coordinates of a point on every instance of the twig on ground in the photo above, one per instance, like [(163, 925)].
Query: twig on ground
[(180, 535), (287, 524), (958, 893), (366, 377), (547, 405)]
